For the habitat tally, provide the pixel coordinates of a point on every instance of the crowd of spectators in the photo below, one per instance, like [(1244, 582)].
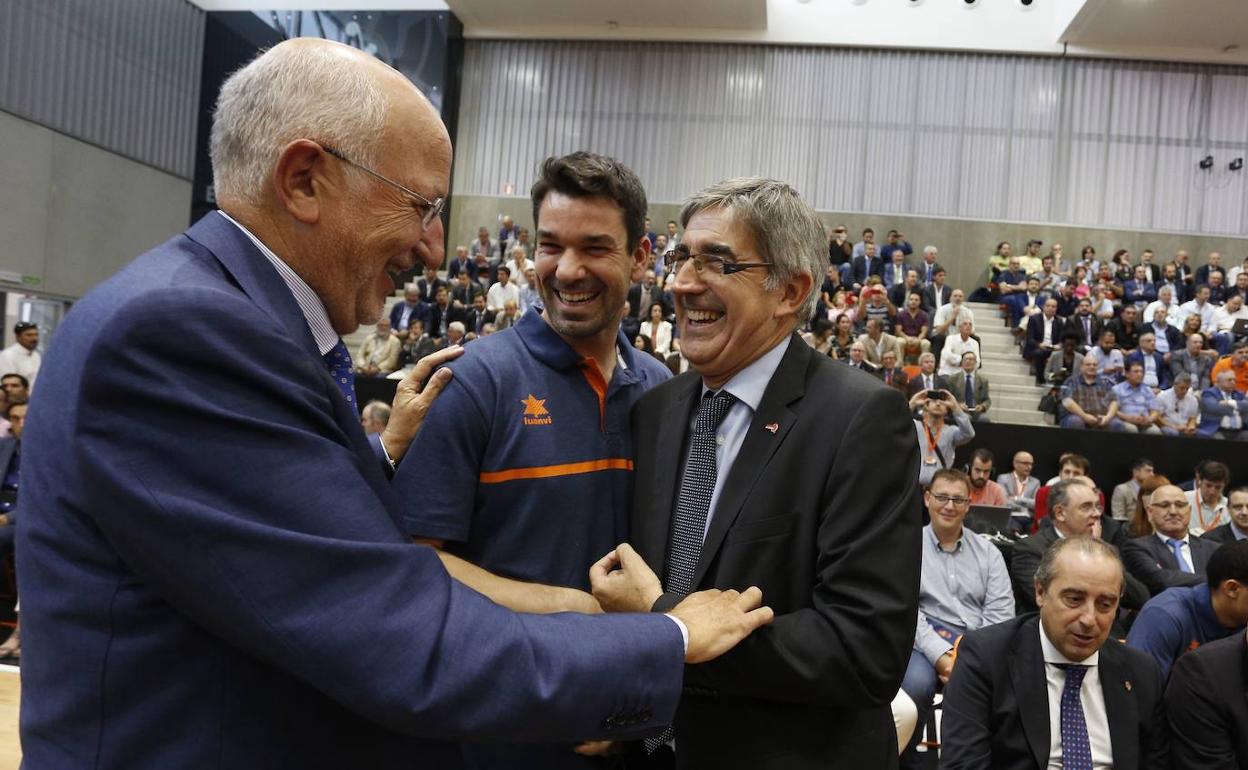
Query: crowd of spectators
[(20, 366)]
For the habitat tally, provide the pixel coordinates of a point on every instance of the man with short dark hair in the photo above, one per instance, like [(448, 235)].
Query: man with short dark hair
[(985, 491), (1088, 400), (23, 357), (1182, 618), (1171, 556), (1209, 505), (1137, 405), (1085, 325), (1237, 527), (1044, 335), (1122, 502), (1049, 691), (16, 388)]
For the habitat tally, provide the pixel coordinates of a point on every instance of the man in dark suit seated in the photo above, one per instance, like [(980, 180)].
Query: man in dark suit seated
[(211, 564), (410, 310), (761, 466), (1085, 325), (1237, 528), (1192, 360), (1184, 617), (1048, 691), (1170, 556), (477, 316), (461, 264), (1075, 511), (1223, 409), (1207, 706), (858, 358), (429, 285), (927, 378), (937, 294), (865, 266), (1044, 335), (1156, 373)]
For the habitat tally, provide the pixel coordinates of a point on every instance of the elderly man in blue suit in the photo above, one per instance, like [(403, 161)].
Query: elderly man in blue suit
[(1223, 410), (212, 570)]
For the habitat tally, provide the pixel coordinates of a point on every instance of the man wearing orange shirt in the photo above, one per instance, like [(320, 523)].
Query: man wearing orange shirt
[(985, 491), (1236, 362)]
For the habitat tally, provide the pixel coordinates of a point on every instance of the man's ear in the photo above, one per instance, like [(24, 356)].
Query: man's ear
[(301, 181), (796, 290), (641, 259)]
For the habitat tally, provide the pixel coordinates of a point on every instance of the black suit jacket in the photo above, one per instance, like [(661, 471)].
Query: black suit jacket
[(1025, 560), (862, 270), (914, 386), (996, 709), (897, 295), (1074, 325), (429, 289), (1035, 333), (453, 314), (472, 316), (1217, 535), (1152, 562), (836, 556), (1207, 706), (643, 313), (928, 301)]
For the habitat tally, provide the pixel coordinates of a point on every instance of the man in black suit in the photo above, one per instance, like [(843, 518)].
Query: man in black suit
[(927, 378), (1044, 335), (865, 266), (442, 314), (428, 286), (761, 467), (1237, 527), (477, 316), (10, 466), (1155, 559), (644, 294), (898, 293), (1085, 325), (1207, 706), (1011, 679), (1073, 511), (936, 294)]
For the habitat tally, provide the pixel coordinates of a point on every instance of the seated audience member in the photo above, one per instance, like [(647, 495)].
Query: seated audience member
[(463, 290), (1151, 269), (890, 372), (1217, 288), (461, 263), (1200, 307), (1069, 466), (1122, 501), (927, 378), (1237, 363), (1067, 361), (10, 471), (529, 298), (1012, 280), (997, 264), (896, 242), (820, 335), (843, 337), (864, 266), (868, 239), (379, 355), (895, 268), (374, 417), (1207, 706), (455, 334), (956, 347), (1192, 361), (1139, 291), (858, 358), (936, 294), (1138, 408), (658, 331), (1239, 284), (484, 244), (1209, 509), (911, 326), (928, 267), (1224, 320), (1044, 335), (1169, 339), (1084, 325), (1088, 400), (873, 305), (1075, 512), (1166, 305), (1119, 267), (910, 285), (1170, 280), (1047, 691), (1156, 372), (429, 285), (843, 306), (517, 264), (840, 249), (1108, 358), (1171, 556), (1183, 268), (1140, 524), (643, 294), (876, 341), (487, 270), (418, 344), (970, 388), (1180, 411), (503, 291), (938, 442), (1048, 276), (1127, 329), (1067, 301), (1019, 485), (1237, 528), (1025, 304), (949, 318), (1182, 618), (1223, 410), (963, 586), (412, 308), (985, 491), (477, 317)]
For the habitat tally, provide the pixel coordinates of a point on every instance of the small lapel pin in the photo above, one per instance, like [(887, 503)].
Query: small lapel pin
[(772, 427), (1127, 684)]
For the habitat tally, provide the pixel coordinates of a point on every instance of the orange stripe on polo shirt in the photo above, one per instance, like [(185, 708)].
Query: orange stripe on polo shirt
[(551, 471)]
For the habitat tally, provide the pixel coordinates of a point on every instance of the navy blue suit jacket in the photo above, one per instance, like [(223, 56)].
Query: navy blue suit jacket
[(212, 571), (1162, 369)]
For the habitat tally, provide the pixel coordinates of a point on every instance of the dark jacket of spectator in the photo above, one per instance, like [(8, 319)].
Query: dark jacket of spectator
[(1087, 336), (1207, 706), (1163, 371), (1154, 565), (1035, 333), (928, 302), (862, 270)]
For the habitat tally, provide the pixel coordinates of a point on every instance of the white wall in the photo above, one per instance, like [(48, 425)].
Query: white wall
[(72, 214)]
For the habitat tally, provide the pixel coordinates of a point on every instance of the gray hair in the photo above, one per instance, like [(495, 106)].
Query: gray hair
[(457, 326), (295, 92), (786, 229), (378, 411), (1183, 378), (929, 250), (1085, 544)]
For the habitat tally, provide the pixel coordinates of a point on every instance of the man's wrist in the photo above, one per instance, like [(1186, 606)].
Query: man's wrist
[(684, 630), (392, 449)]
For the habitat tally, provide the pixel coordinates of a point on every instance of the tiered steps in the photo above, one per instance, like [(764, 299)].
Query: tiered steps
[(1015, 395)]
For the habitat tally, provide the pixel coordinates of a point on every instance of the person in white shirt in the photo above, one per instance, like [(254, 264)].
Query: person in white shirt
[(503, 291), (658, 331), (1224, 319), (517, 266), (1209, 505), (1165, 299), (22, 357), (956, 347), (1200, 306), (1108, 357), (1180, 410)]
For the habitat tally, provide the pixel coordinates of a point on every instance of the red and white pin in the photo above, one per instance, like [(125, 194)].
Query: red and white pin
[(772, 427)]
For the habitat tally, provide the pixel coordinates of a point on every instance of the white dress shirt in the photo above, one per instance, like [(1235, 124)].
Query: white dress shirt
[(16, 359), (1092, 697), (500, 293), (951, 354), (1186, 548)]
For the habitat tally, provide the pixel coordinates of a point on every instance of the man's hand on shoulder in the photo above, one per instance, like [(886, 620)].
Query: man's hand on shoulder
[(412, 399)]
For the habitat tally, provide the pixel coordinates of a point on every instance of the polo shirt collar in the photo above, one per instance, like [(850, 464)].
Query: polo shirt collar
[(545, 344)]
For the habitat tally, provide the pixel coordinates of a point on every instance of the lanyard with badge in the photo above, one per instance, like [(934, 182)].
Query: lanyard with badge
[(933, 445)]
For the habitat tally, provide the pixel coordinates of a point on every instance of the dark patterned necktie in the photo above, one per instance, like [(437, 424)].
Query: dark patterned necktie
[(970, 392), (338, 362), (1076, 747), (692, 506)]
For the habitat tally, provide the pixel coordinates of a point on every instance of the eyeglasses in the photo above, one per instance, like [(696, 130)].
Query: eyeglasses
[(430, 209), (708, 262), (958, 502)]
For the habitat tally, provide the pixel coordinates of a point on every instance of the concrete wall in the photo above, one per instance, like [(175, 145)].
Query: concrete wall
[(72, 214), (965, 245)]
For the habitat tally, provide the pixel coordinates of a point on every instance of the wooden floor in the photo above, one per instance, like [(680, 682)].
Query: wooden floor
[(10, 689)]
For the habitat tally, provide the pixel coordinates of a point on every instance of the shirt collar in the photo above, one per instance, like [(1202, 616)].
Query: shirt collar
[(1166, 538), (548, 347), (313, 308), (1052, 655), (930, 534), (749, 384)]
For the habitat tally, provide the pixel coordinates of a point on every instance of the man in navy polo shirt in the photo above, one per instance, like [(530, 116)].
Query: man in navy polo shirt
[(528, 472)]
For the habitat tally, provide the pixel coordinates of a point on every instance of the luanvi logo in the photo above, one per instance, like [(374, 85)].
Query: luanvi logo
[(535, 411)]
